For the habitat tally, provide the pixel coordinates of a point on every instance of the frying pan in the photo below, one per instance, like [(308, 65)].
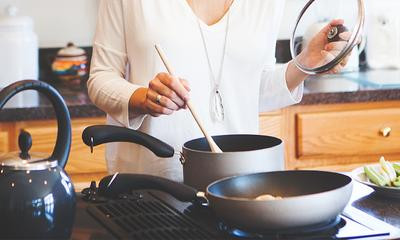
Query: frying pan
[(309, 197), (242, 154)]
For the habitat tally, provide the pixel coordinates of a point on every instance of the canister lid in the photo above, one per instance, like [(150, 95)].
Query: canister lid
[(71, 51), (10, 21)]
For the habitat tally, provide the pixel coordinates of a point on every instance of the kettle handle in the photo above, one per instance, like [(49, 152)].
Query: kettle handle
[(63, 142)]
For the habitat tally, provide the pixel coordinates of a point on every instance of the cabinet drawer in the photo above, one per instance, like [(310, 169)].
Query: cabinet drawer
[(348, 133)]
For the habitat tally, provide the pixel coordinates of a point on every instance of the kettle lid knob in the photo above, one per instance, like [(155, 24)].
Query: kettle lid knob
[(25, 144)]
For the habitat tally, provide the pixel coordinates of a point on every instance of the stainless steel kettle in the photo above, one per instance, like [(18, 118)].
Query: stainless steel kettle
[(37, 198)]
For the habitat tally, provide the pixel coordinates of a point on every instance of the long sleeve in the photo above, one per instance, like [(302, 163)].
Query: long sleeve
[(107, 85), (274, 93)]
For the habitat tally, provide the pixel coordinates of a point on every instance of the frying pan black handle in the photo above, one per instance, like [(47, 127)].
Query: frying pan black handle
[(126, 183), (96, 135)]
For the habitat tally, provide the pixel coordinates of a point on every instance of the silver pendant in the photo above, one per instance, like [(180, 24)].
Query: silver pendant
[(216, 106)]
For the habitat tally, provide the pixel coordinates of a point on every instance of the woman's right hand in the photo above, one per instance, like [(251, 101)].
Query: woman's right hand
[(165, 95)]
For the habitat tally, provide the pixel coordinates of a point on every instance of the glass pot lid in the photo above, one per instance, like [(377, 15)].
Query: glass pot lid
[(325, 33)]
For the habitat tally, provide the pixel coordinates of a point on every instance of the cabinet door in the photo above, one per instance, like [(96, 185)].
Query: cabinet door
[(271, 124), (6, 133), (4, 146), (80, 159)]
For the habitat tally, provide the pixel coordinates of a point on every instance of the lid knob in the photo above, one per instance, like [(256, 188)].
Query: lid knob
[(25, 144), (334, 33)]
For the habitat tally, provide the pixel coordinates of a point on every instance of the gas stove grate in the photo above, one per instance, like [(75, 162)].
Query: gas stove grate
[(146, 218)]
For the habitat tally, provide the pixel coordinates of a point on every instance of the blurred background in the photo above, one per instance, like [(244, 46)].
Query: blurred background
[(58, 23)]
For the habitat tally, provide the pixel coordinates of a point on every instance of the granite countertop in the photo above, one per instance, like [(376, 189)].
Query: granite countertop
[(381, 207), (366, 86), (39, 108)]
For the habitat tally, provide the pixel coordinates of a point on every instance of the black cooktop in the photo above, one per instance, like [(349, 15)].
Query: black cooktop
[(156, 215)]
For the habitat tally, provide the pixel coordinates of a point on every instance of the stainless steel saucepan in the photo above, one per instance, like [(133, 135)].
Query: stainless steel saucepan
[(309, 198), (242, 154)]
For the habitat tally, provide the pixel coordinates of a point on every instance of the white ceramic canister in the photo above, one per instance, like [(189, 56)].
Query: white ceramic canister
[(18, 55)]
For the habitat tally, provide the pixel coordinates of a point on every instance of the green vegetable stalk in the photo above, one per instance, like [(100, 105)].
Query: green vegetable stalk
[(375, 176), (396, 183), (388, 169), (385, 174), (396, 167)]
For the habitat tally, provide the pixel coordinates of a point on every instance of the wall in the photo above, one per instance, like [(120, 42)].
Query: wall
[(59, 21), (292, 8), (323, 9)]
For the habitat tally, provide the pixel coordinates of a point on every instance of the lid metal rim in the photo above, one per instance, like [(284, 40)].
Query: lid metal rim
[(351, 43), (32, 167)]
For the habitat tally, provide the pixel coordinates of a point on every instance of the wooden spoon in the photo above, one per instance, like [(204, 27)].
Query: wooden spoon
[(214, 147)]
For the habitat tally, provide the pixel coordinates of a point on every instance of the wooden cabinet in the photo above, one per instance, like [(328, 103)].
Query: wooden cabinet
[(336, 137), (80, 159), (272, 124), (6, 130), (82, 164), (4, 141), (348, 133)]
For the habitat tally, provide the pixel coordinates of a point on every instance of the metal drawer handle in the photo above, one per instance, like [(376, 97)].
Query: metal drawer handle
[(385, 132)]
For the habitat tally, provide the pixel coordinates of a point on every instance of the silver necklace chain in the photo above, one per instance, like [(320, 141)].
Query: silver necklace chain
[(217, 111)]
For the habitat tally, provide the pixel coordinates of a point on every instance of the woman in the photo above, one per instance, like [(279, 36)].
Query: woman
[(225, 49)]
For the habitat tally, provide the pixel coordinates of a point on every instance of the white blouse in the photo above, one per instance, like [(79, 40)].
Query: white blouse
[(124, 59)]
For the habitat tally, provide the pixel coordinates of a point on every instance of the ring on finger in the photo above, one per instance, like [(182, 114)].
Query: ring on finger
[(158, 99)]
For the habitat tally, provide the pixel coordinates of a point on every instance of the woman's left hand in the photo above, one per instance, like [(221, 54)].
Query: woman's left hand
[(320, 51)]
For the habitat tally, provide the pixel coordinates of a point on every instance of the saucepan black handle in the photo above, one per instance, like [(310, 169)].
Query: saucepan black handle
[(99, 134), (126, 183)]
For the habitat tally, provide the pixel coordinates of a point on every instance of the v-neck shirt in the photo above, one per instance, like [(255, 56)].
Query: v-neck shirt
[(124, 59)]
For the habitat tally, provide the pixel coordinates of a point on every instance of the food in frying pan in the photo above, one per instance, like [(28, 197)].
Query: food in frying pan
[(385, 174), (267, 197)]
